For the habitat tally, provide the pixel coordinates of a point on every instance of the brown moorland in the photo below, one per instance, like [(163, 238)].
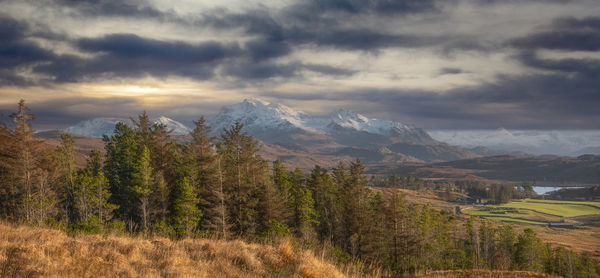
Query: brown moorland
[(40, 252)]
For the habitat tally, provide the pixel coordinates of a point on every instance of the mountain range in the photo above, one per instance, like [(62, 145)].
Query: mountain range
[(297, 136), (308, 139), (272, 122), (538, 142)]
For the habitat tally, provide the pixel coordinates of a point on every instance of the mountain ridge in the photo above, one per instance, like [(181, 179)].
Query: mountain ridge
[(341, 133), (272, 122), (98, 127)]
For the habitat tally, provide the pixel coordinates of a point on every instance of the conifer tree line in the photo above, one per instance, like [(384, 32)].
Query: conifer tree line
[(144, 182)]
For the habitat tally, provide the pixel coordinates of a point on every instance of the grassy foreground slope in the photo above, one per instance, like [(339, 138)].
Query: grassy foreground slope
[(35, 252)]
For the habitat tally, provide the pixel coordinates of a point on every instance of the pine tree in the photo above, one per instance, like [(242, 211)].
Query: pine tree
[(325, 195), (206, 175), (272, 210), (402, 244), (159, 199), (487, 234), (26, 161), (186, 214), (529, 252), (92, 192), (9, 191), (142, 185), (303, 211), (239, 160), (471, 244), (122, 158), (66, 160), (506, 238), (375, 242)]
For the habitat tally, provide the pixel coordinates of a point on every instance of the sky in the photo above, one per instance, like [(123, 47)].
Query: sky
[(452, 64)]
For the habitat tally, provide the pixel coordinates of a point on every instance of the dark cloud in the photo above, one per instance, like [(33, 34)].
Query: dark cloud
[(565, 34), (131, 56), (17, 52), (310, 8), (504, 2), (69, 68), (444, 71), (583, 67), (133, 47), (290, 28), (543, 101), (360, 39), (120, 8), (261, 71), (263, 49), (329, 70)]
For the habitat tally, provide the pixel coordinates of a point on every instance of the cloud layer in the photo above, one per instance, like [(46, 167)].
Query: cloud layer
[(435, 64)]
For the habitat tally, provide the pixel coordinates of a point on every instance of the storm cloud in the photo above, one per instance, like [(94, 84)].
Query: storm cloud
[(435, 64)]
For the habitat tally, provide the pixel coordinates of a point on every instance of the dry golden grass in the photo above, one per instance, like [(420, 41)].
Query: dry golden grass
[(37, 252)]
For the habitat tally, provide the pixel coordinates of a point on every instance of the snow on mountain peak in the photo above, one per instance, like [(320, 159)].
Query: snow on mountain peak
[(259, 115), (256, 101), (256, 114), (98, 127), (349, 119), (175, 127)]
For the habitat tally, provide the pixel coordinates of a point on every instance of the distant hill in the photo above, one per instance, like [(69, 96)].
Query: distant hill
[(538, 142), (582, 170)]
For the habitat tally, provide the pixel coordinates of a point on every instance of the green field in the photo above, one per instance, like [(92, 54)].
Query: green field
[(557, 208), (538, 212)]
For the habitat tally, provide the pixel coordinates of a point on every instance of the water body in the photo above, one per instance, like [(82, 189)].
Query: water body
[(541, 190)]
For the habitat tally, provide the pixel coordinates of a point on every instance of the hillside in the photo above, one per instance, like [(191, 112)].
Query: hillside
[(36, 252), (540, 170), (41, 252), (582, 239)]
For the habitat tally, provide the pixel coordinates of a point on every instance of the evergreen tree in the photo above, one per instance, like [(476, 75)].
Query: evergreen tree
[(506, 238), (9, 191), (529, 251), (186, 214), (120, 168), (142, 185), (325, 195), (304, 214), (26, 161), (487, 234), (92, 191), (66, 160), (272, 210), (471, 245), (206, 176), (239, 160)]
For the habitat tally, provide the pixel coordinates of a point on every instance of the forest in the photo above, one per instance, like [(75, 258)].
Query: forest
[(144, 183)]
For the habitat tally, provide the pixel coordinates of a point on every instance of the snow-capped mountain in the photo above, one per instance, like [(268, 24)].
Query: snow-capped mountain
[(270, 121), (175, 127), (258, 115), (99, 127), (565, 142)]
